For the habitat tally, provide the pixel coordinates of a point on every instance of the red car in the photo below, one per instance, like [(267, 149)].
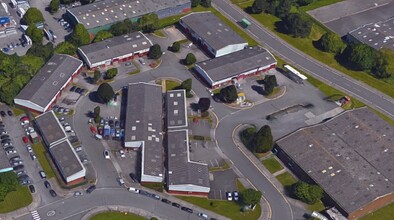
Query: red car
[(100, 130), (25, 140)]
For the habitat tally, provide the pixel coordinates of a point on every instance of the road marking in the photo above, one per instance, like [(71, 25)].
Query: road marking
[(35, 215)]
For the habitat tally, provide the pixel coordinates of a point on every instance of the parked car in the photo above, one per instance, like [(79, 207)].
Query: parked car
[(3, 114), (10, 113), (133, 177), (29, 149), (19, 168), (16, 163), (235, 196), (176, 204), (229, 196), (121, 181), (32, 189), (186, 209), (202, 215), (106, 154), (77, 90), (52, 192), (14, 159), (42, 174), (122, 154), (25, 140), (33, 156), (166, 201), (91, 189), (78, 194), (47, 184), (155, 196), (10, 152), (9, 148), (72, 89), (20, 173), (134, 190), (5, 136)]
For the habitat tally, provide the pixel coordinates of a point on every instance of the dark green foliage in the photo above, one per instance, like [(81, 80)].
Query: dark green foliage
[(283, 9), (105, 92), (330, 42), (263, 140), (8, 183), (190, 59), (250, 196), (204, 104), (66, 48), (111, 73), (154, 218), (85, 2), (96, 76), (96, 114), (35, 34), (54, 6), (206, 3), (149, 22), (381, 68), (33, 16), (360, 56), (259, 6), (102, 35), (123, 27), (80, 36), (247, 136), (186, 85), (304, 2), (176, 46), (229, 94), (195, 3), (43, 51), (155, 52), (296, 25), (307, 193), (269, 84)]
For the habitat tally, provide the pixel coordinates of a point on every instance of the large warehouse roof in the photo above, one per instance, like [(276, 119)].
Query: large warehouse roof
[(232, 64), (115, 47), (212, 29), (181, 170), (350, 157), (144, 123), (105, 12), (176, 109), (50, 127), (44, 86)]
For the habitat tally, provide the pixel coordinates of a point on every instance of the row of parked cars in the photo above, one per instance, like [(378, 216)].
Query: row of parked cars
[(78, 90), (65, 25), (61, 110)]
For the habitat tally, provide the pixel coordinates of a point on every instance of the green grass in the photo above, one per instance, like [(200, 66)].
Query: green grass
[(385, 213), (286, 179), (117, 216), (159, 33), (134, 72), (18, 111), (21, 195), (319, 4), (272, 165), (240, 186), (318, 207), (170, 85), (40, 152), (229, 209)]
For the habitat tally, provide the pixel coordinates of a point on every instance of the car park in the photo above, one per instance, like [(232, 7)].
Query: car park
[(122, 154), (18, 168), (33, 156), (202, 215), (52, 192), (42, 174), (91, 189), (134, 190), (20, 173), (235, 196), (9, 148), (106, 154), (166, 201), (176, 204), (29, 149), (7, 140), (25, 140), (72, 89), (47, 184), (186, 209), (32, 189), (16, 163), (5, 136), (14, 159), (155, 196), (10, 152)]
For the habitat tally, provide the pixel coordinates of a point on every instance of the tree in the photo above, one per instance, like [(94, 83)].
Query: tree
[(96, 114), (149, 22), (229, 94), (204, 104), (381, 69), (111, 73), (190, 59), (35, 34), (123, 27), (283, 9), (176, 46), (259, 6), (155, 52), (85, 2), (54, 6), (43, 51), (66, 48), (186, 85), (263, 140), (96, 76), (80, 36), (102, 35), (105, 92), (33, 16), (330, 42), (269, 84), (247, 136), (307, 193), (195, 3), (297, 26), (250, 196), (304, 2), (206, 3), (360, 56)]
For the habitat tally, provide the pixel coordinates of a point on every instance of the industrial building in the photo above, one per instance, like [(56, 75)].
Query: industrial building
[(176, 109), (349, 156), (143, 129), (222, 70), (114, 50), (100, 15), (212, 34), (51, 129), (183, 175), (41, 92)]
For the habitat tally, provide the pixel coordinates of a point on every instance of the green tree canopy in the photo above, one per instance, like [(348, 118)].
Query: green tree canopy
[(43, 51), (259, 6), (176, 46), (102, 35), (35, 34), (96, 76), (111, 73), (250, 196), (360, 56), (80, 36), (149, 22), (283, 9), (33, 16), (296, 25), (384, 67), (195, 3), (54, 6), (263, 140), (190, 59), (105, 92), (96, 112), (204, 104), (66, 47), (304, 2), (269, 84), (205, 3), (155, 52), (229, 94), (123, 27), (330, 42), (307, 193), (186, 85)]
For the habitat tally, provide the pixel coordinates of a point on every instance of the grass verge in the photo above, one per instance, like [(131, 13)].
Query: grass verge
[(229, 209), (18, 111), (170, 85), (159, 33), (318, 207), (21, 195), (272, 165), (286, 179), (40, 152), (225, 166), (155, 186), (384, 213), (240, 186), (117, 216)]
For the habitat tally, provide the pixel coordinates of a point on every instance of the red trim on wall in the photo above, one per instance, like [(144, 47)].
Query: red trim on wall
[(188, 193), (77, 181)]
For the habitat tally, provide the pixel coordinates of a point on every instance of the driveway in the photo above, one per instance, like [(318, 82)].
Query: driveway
[(222, 182)]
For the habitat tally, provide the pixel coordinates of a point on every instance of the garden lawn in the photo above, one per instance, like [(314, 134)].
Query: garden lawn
[(286, 179), (170, 85), (385, 213), (40, 152), (22, 195), (229, 209), (117, 216), (272, 165)]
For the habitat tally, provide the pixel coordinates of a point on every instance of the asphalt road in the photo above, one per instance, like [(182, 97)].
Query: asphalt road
[(336, 79)]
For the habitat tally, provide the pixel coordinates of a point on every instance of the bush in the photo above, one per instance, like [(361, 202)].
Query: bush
[(176, 46), (96, 76), (105, 92), (330, 42), (206, 3), (297, 26), (360, 56), (204, 104), (263, 140), (155, 52), (247, 136), (229, 94), (35, 34), (307, 193), (111, 73), (190, 59), (66, 48), (54, 6), (33, 16)]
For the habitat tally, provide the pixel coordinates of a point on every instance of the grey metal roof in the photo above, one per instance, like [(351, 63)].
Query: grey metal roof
[(42, 88), (181, 170), (66, 158), (176, 109), (350, 157), (144, 123), (232, 64), (105, 12), (50, 127), (116, 47), (212, 29), (376, 35)]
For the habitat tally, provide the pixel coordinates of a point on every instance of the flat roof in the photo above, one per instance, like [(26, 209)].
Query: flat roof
[(50, 127), (376, 35), (212, 29), (116, 47), (105, 12), (181, 170), (44, 86), (349, 156), (144, 116), (66, 158), (176, 109), (232, 64)]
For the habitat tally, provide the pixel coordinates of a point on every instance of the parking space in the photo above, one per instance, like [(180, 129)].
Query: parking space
[(222, 182)]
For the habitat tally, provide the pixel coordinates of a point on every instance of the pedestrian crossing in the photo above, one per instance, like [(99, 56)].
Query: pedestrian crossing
[(35, 215)]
